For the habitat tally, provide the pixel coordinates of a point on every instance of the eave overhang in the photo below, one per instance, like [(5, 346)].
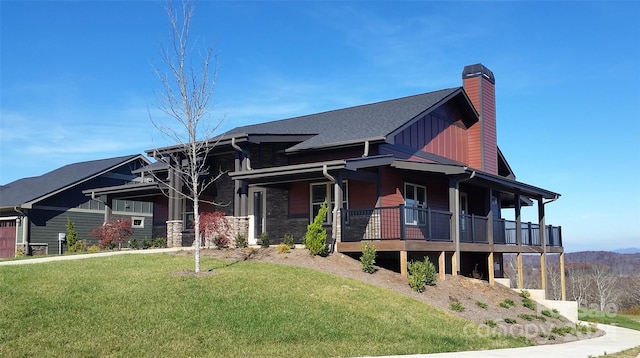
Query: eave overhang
[(478, 177), (127, 191), (309, 171)]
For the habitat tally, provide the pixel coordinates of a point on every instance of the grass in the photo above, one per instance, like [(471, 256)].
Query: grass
[(626, 321), (134, 306), (629, 353)]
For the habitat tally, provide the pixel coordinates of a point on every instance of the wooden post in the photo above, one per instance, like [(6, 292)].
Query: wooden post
[(454, 264), (491, 272), (403, 263), (520, 274), (543, 242), (441, 268), (563, 287)]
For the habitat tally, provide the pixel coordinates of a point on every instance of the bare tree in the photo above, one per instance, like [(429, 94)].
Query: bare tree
[(554, 288), (579, 283), (188, 79), (604, 286)]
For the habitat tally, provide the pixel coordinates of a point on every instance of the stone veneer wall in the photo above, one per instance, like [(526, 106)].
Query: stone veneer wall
[(174, 233)]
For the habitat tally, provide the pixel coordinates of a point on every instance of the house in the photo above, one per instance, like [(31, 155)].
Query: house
[(414, 176), (34, 211)]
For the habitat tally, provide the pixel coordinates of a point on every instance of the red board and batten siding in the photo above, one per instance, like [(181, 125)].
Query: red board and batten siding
[(439, 133), (481, 92)]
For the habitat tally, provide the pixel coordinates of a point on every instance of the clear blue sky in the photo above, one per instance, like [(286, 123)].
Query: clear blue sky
[(77, 80)]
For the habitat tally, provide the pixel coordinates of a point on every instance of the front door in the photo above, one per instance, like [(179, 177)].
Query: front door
[(258, 208)]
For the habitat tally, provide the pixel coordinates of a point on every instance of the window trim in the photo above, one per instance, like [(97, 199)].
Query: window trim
[(139, 226), (328, 194), (409, 219)]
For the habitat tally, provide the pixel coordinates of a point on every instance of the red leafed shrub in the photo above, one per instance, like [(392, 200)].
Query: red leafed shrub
[(115, 232), (215, 229)]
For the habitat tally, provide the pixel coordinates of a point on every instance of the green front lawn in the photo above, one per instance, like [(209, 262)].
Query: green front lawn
[(135, 305), (626, 321)]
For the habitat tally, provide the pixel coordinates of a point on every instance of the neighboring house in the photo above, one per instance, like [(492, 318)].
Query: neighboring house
[(34, 211), (413, 176)]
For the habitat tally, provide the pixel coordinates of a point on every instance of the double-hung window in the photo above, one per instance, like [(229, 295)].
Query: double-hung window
[(415, 201), (321, 192)]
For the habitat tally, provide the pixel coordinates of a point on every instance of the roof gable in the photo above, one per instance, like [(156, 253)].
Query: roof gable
[(29, 190), (373, 121)]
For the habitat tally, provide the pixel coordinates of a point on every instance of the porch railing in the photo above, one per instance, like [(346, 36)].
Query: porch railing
[(411, 223), (397, 222)]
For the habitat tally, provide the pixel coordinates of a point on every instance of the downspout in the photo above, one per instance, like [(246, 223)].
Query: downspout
[(457, 215), (366, 149), (242, 207), (237, 147), (334, 225), (24, 220)]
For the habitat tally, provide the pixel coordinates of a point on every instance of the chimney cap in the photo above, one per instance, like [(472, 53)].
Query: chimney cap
[(478, 70)]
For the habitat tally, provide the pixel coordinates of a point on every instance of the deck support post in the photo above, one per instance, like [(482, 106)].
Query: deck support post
[(441, 266), (454, 264), (563, 288), (454, 208), (520, 273), (490, 269), (542, 231), (403, 263)]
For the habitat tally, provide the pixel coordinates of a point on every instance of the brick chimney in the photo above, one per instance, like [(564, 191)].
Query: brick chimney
[(479, 84)]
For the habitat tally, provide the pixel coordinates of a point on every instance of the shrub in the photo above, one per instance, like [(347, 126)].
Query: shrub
[(20, 252), (491, 323), (93, 248), (526, 317), (507, 303), (159, 242), (288, 240), (417, 275), (563, 331), (264, 239), (283, 248), (529, 303), (72, 235), (456, 306), (368, 258), (133, 243), (551, 314), (146, 244), (115, 232), (241, 241), (215, 229), (481, 305), (509, 320), (525, 294), (79, 246), (431, 272), (316, 236)]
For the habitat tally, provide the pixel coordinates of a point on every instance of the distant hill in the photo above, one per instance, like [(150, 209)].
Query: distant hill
[(628, 250), (623, 264)]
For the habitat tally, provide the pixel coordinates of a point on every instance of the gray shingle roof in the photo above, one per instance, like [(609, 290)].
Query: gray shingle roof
[(29, 189), (348, 125)]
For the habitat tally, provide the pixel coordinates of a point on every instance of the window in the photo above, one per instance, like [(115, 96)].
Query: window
[(137, 222), (415, 198), (324, 191)]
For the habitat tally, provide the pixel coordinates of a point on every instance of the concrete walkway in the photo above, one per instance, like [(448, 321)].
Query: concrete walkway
[(615, 340), (88, 256)]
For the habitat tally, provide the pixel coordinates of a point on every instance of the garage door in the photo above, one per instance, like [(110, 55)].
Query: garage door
[(7, 238)]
